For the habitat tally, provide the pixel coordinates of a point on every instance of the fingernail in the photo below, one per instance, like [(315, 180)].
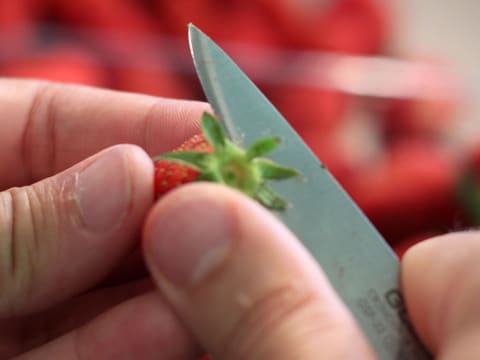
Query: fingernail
[(103, 191), (191, 239)]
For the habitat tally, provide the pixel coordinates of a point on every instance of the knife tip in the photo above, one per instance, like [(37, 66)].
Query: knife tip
[(193, 32), (192, 28)]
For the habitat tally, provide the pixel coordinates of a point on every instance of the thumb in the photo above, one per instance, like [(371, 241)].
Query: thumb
[(441, 281), (61, 235), (242, 282)]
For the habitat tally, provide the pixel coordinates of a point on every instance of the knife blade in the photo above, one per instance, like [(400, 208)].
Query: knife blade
[(358, 262)]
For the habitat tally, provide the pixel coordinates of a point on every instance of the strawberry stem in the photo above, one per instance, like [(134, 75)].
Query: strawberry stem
[(233, 166)]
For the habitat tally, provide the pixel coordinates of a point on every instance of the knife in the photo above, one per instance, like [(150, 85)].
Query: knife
[(358, 262)]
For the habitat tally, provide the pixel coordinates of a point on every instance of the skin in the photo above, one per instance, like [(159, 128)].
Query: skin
[(221, 274)]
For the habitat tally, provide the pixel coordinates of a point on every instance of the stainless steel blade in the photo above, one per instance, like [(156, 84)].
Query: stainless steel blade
[(359, 263)]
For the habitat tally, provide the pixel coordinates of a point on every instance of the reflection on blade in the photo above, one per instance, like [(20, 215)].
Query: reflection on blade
[(358, 262)]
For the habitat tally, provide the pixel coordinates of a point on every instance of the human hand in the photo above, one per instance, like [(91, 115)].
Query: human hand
[(71, 282), (259, 295), (248, 289)]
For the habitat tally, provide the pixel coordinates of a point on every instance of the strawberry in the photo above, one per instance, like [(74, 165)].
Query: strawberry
[(170, 174), (62, 63), (210, 156), (410, 190)]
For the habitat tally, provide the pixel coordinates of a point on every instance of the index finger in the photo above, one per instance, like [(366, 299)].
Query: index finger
[(48, 127)]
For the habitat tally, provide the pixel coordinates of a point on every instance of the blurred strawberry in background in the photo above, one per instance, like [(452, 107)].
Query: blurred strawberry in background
[(61, 62), (385, 129)]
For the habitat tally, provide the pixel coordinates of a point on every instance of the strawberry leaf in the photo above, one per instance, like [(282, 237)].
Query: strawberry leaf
[(194, 159), (268, 198), (262, 147), (271, 171), (213, 131)]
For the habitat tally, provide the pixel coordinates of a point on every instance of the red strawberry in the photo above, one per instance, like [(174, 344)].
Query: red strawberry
[(212, 157), (64, 63), (140, 73), (411, 190), (169, 174)]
